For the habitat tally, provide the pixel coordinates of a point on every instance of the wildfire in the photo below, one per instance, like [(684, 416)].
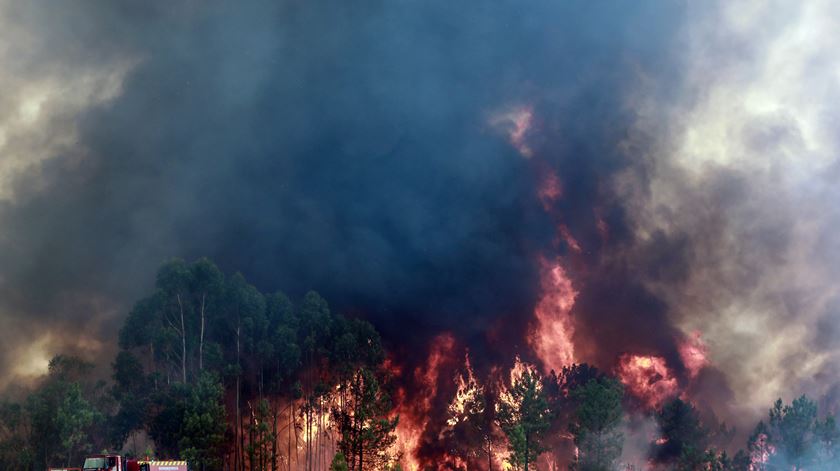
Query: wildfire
[(452, 463), (693, 352), (466, 396), (519, 367), (762, 452), (552, 336), (414, 416), (648, 378)]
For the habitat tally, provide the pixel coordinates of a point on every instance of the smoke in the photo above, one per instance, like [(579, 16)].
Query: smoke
[(749, 184), (391, 155)]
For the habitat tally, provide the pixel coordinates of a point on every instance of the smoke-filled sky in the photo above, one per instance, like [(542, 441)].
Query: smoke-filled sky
[(391, 156)]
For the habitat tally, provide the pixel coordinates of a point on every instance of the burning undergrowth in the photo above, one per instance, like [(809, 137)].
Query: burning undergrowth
[(445, 398)]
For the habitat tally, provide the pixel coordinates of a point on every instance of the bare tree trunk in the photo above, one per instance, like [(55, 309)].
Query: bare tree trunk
[(251, 423), (274, 439), (361, 446), (319, 433), (239, 460), (201, 336), (183, 342), (291, 428), (309, 435), (154, 363), (489, 455)]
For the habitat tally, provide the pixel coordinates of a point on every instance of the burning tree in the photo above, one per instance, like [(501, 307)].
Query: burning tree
[(524, 416), (471, 424), (367, 433)]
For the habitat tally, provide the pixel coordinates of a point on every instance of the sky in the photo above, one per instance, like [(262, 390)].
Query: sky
[(393, 155)]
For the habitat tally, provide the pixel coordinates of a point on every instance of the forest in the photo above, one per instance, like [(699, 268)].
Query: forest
[(211, 370)]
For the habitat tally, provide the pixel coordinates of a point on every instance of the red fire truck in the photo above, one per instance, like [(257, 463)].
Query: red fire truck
[(120, 463)]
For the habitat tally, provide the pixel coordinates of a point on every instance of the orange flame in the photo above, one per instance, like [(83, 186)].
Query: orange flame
[(519, 368), (761, 453), (693, 352), (467, 393), (552, 336), (414, 417), (648, 378)]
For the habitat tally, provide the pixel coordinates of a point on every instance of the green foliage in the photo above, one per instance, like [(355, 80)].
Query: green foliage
[(367, 431), (339, 463), (195, 327), (73, 417), (128, 375), (524, 416), (356, 344), (795, 426), (165, 418), (196, 321), (203, 434), (795, 438), (261, 435), (596, 424), (61, 413), (129, 391), (15, 450), (684, 439)]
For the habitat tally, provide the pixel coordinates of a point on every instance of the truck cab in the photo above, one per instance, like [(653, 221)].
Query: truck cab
[(104, 463)]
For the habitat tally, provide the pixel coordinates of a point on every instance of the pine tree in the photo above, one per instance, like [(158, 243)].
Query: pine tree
[(795, 438), (596, 422), (524, 416), (684, 439), (367, 431)]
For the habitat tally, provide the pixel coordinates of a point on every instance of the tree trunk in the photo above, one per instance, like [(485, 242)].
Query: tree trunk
[(291, 428), (183, 342), (238, 421), (274, 439), (201, 336), (358, 419), (526, 452), (250, 452), (154, 363), (489, 455)]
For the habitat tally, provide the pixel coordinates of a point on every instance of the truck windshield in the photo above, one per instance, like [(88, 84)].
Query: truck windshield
[(94, 463)]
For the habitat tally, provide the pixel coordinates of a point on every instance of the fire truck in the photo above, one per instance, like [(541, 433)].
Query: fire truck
[(120, 463)]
